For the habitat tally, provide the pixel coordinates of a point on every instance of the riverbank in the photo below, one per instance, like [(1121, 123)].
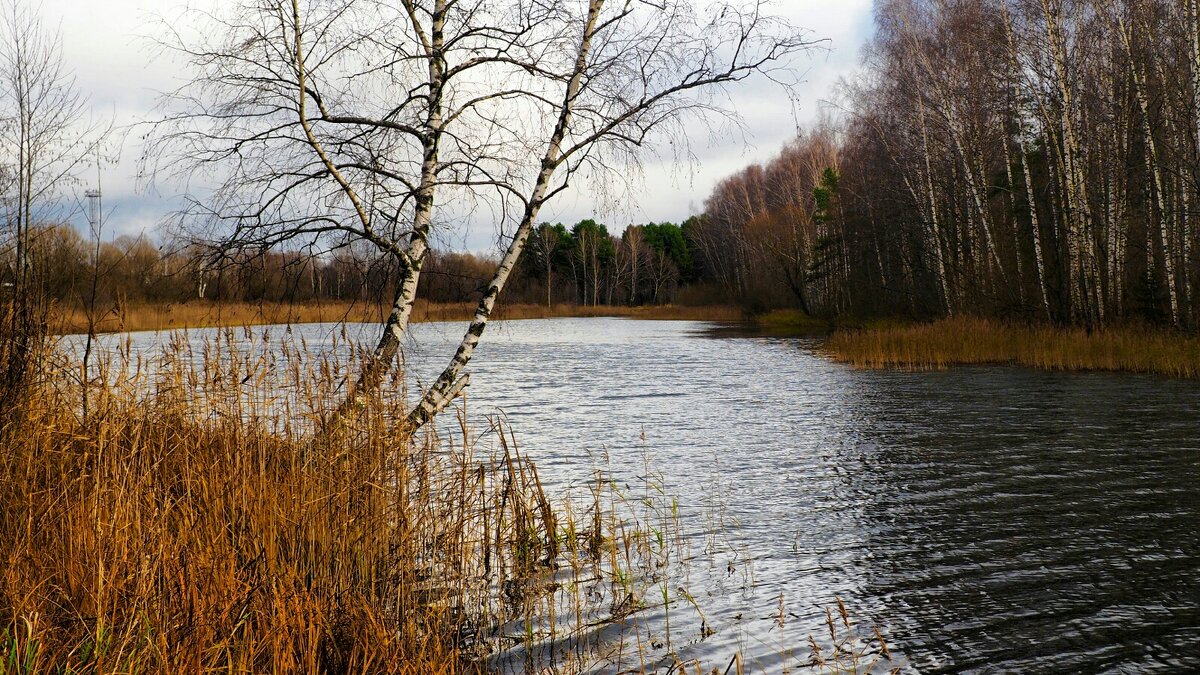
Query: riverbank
[(873, 344), (792, 323), (199, 314), (189, 523), (975, 341)]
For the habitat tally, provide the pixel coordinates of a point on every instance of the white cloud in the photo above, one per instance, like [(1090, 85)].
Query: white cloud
[(106, 45), (673, 192)]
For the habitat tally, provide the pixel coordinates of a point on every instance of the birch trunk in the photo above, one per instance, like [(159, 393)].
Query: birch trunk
[(1016, 230), (1079, 230), (1193, 28), (1035, 227), (412, 258), (1179, 209), (933, 216), (452, 381), (1031, 198), (1116, 215), (1192, 22), (1152, 168)]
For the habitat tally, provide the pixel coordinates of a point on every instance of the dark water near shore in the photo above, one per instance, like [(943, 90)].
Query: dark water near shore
[(987, 519)]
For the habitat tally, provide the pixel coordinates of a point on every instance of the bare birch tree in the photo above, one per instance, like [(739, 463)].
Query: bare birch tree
[(327, 122), (45, 136), (45, 140)]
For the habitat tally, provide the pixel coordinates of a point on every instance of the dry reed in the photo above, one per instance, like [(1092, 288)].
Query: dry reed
[(966, 340), (198, 314), (189, 523), (184, 526)]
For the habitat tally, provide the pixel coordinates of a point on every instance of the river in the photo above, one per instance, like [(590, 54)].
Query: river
[(985, 519)]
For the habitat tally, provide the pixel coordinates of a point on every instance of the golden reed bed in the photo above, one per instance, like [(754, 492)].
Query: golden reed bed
[(184, 519), (207, 314), (968, 340)]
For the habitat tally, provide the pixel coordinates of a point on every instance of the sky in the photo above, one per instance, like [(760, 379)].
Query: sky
[(107, 44)]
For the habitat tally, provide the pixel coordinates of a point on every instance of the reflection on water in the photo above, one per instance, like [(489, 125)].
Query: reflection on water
[(1030, 520), (988, 519)]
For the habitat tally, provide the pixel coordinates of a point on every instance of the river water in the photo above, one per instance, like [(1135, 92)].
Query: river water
[(985, 519)]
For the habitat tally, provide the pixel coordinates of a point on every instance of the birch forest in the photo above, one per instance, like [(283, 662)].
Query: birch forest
[(1016, 158)]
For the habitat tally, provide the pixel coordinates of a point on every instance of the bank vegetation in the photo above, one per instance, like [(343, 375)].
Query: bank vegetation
[(175, 513), (1019, 159), (984, 341), (1005, 181), (202, 314)]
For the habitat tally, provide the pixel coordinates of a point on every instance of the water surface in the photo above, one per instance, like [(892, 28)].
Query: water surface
[(987, 519)]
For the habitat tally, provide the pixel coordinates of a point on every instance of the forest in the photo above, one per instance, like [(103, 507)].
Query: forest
[(1026, 159), (583, 264)]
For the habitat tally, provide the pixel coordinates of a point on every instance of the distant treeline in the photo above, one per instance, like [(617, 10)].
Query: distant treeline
[(1032, 158), (583, 264), (1037, 159)]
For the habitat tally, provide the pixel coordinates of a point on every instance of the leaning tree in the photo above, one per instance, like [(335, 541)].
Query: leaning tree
[(330, 122)]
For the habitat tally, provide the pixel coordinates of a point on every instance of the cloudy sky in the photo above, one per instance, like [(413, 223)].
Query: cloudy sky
[(105, 44)]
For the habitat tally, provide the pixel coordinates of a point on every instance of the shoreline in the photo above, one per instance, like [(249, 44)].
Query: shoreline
[(879, 345), (966, 341), (219, 315)]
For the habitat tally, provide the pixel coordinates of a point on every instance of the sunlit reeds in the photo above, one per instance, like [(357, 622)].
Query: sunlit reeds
[(961, 341), (180, 527), (199, 314), (188, 522)]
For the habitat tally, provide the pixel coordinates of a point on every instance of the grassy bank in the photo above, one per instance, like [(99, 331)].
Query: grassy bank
[(785, 322), (176, 513), (964, 341), (181, 517), (198, 314)]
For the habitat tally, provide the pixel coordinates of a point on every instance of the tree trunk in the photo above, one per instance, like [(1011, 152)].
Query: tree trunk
[(451, 382), (1152, 168)]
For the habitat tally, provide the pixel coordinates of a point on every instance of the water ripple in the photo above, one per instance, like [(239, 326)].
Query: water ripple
[(987, 519)]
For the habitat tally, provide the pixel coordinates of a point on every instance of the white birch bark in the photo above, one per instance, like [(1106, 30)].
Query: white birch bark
[(1081, 244), (940, 258), (1192, 25), (1174, 185), (1016, 229), (413, 256), (1152, 167), (452, 381), (959, 136), (1035, 228), (1027, 173)]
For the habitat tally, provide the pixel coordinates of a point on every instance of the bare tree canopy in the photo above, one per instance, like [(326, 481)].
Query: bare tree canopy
[(1018, 158), (45, 135), (330, 122), (46, 139)]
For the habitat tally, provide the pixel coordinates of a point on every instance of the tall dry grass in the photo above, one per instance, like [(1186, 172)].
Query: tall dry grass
[(198, 314), (189, 523), (969, 340)]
